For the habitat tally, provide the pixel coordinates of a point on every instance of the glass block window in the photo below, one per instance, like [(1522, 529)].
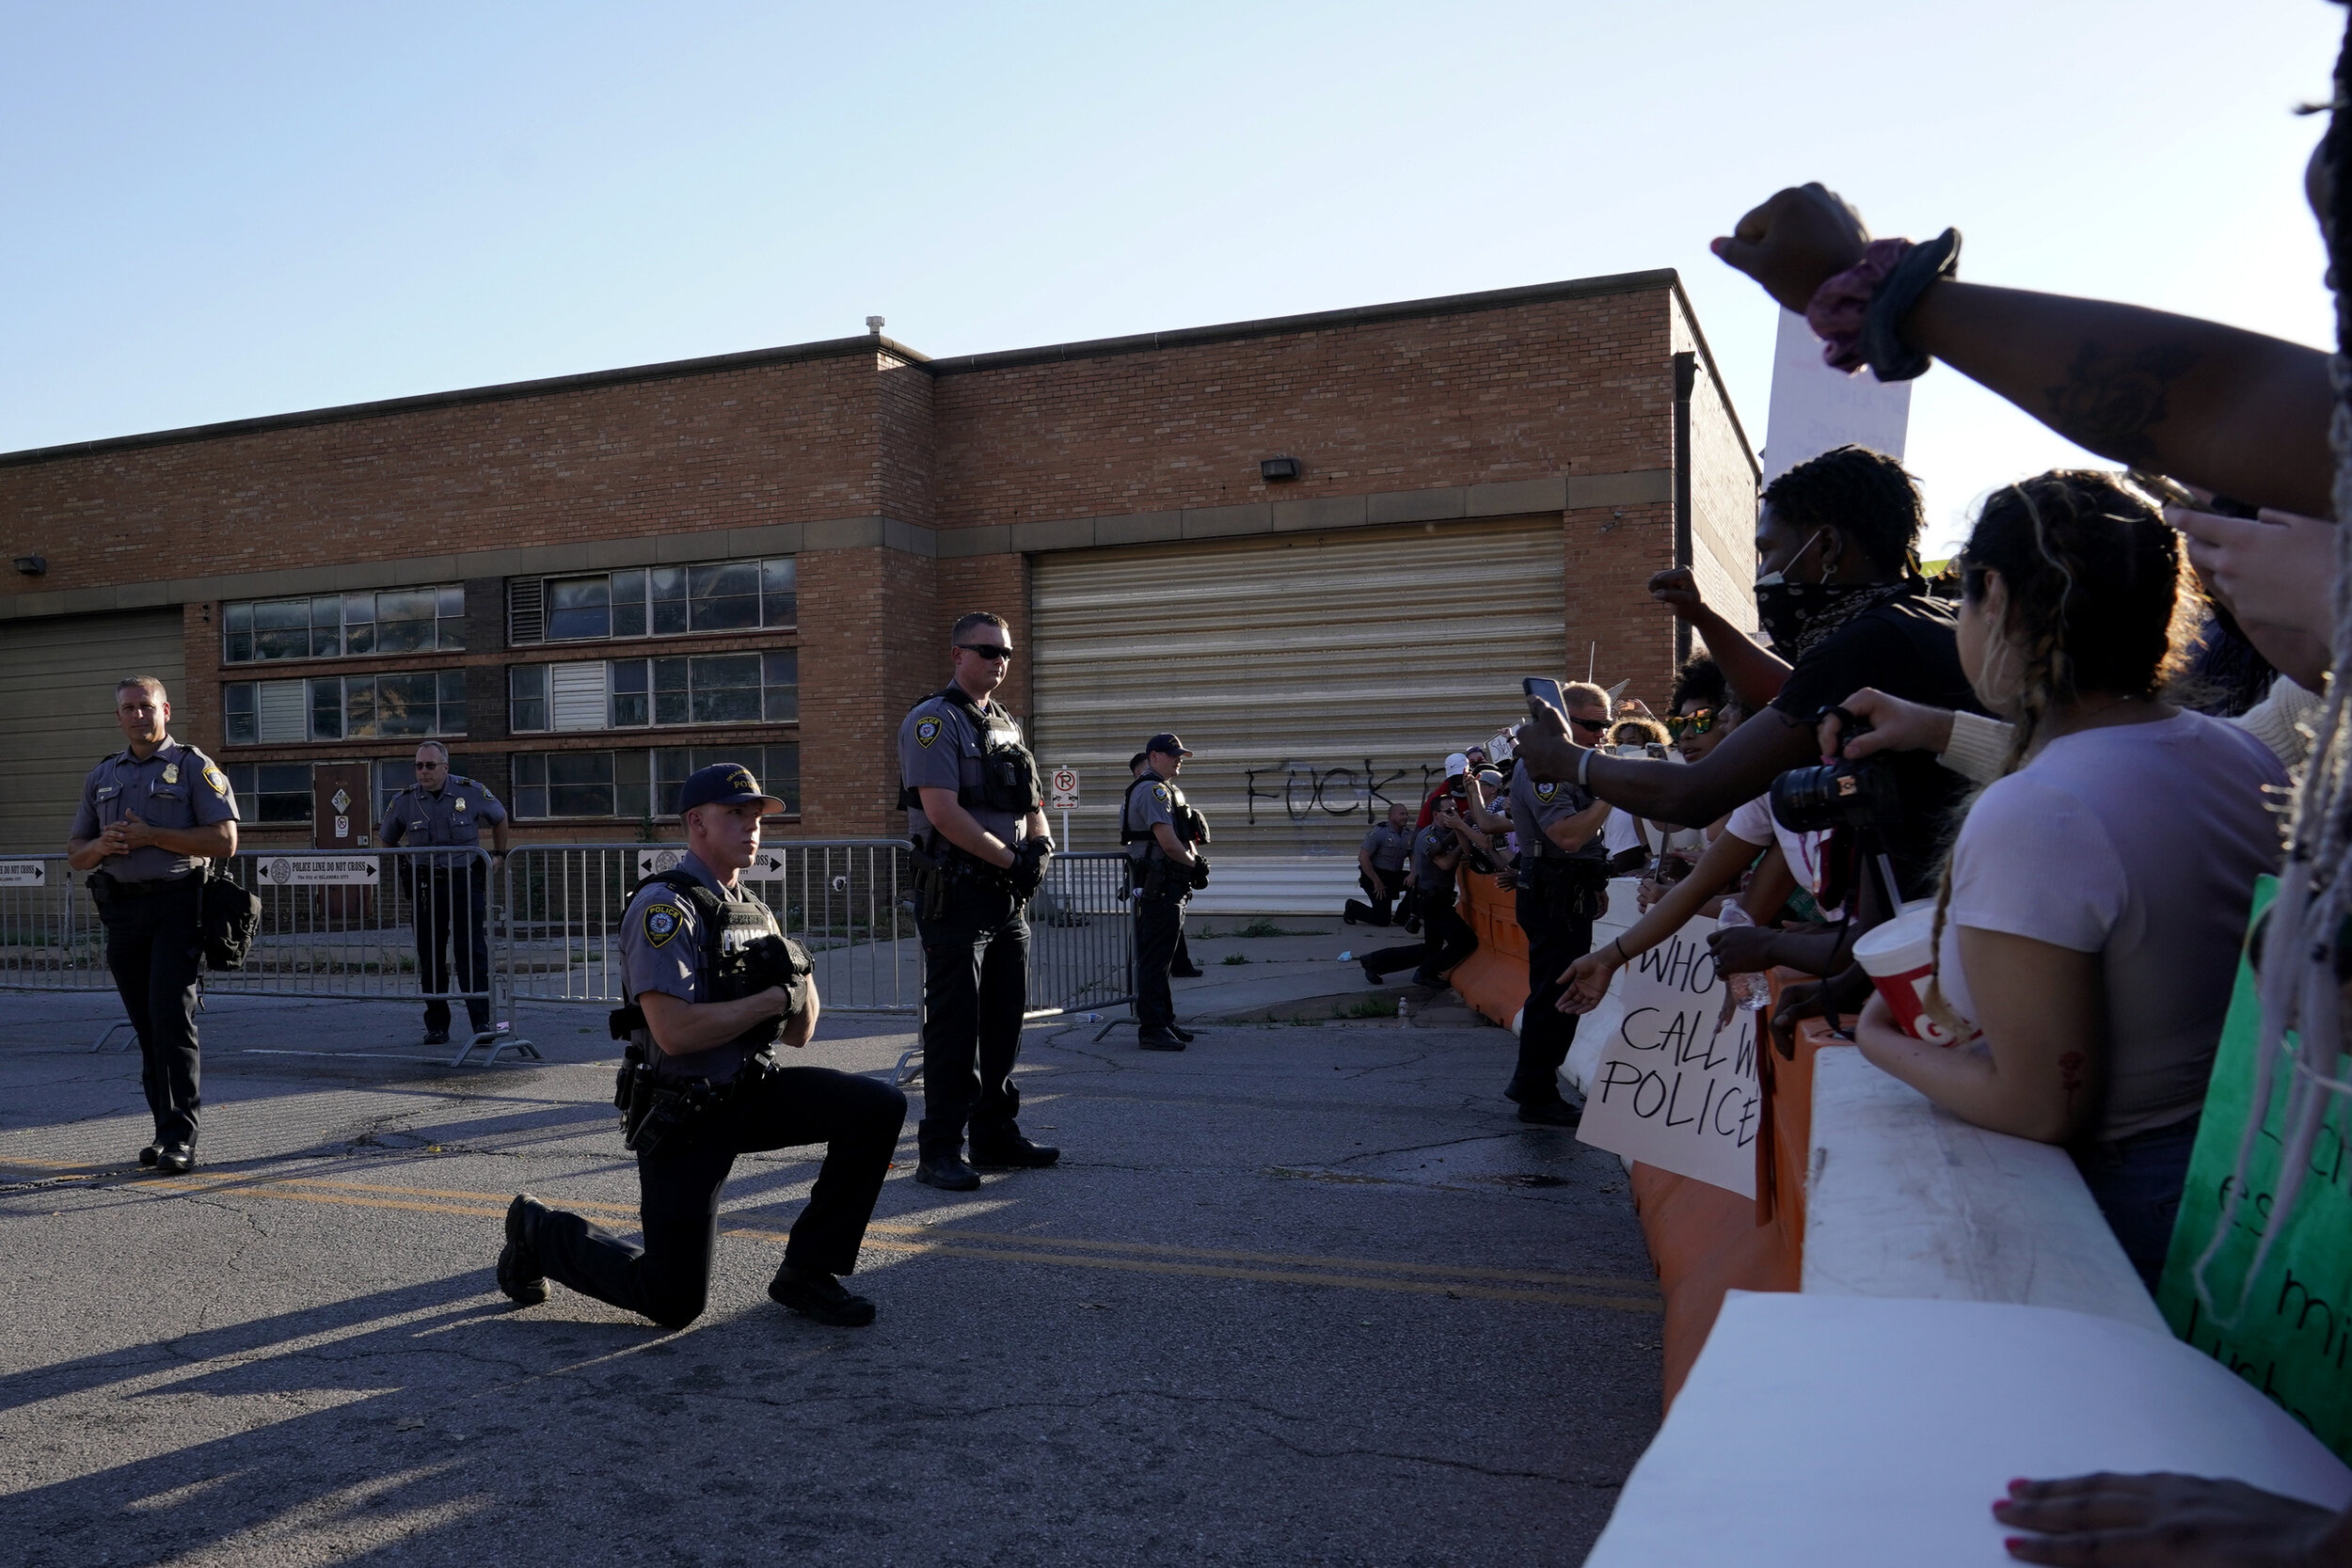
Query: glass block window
[(333, 625)]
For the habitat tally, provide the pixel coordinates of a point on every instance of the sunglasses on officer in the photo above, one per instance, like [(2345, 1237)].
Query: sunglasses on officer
[(1590, 726), (987, 650), (1691, 723), (423, 766)]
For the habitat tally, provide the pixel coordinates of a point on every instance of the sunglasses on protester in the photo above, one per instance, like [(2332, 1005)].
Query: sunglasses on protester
[(1591, 726), (1695, 723), (986, 650)]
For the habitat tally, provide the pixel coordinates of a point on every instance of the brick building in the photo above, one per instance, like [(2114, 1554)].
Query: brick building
[(589, 584)]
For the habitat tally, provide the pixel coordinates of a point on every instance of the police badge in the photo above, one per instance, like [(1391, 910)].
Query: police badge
[(925, 731), (171, 772)]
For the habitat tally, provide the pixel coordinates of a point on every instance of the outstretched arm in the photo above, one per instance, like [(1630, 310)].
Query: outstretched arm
[(2236, 412)]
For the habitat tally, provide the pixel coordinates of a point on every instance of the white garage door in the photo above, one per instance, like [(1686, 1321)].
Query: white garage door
[(56, 710), (1317, 676)]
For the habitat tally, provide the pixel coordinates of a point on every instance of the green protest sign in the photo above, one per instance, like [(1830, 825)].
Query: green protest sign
[(2290, 1338)]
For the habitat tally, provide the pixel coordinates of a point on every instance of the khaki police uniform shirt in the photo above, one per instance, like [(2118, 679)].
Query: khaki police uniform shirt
[(177, 786), (939, 747), (1537, 806), (455, 815), (1149, 804)]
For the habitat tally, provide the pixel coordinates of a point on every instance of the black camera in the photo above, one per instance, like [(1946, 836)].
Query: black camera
[(1856, 795)]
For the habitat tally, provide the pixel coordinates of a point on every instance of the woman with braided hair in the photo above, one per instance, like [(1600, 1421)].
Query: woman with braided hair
[(2088, 921)]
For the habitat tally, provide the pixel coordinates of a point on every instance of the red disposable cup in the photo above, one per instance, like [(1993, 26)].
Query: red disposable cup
[(1900, 958)]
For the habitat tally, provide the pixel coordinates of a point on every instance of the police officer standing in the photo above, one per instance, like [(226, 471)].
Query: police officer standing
[(149, 815), (1139, 773), (1563, 882), (713, 986), (449, 896), (978, 824), (1159, 831)]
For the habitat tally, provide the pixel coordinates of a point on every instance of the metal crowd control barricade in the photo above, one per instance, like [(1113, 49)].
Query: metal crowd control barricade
[(332, 926), (847, 901)]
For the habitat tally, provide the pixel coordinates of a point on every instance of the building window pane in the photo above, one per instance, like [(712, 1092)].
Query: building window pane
[(726, 689), (580, 606), (239, 726), (452, 633), (629, 605), (579, 783), (632, 791), (360, 708), (404, 620), (271, 793), (781, 776), (632, 696), (671, 766), (326, 708), (281, 628), (780, 682), (575, 695), (779, 599), (326, 627), (723, 597), (453, 702), (531, 784), (405, 704), (526, 697), (669, 690), (236, 633), (666, 586), (360, 623)]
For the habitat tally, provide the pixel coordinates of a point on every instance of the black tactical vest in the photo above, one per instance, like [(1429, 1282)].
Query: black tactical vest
[(728, 926), (1008, 773)]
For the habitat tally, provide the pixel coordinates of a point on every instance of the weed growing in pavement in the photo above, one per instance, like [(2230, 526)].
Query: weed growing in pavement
[(1367, 1007), (1234, 958), (1262, 927)]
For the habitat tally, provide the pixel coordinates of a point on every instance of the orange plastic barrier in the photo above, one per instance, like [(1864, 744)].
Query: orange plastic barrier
[(1494, 978)]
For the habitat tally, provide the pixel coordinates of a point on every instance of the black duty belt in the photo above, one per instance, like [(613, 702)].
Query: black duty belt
[(140, 889)]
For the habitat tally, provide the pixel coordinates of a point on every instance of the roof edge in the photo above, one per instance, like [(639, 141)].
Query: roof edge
[(1439, 305)]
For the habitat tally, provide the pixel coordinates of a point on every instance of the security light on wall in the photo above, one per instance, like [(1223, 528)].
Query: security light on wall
[(32, 565), (1275, 469)]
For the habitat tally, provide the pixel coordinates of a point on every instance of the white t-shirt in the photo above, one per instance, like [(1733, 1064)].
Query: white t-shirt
[(2140, 843), (1753, 823)]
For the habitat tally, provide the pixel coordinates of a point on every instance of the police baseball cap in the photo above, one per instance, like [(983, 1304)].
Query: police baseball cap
[(1167, 742), (1456, 764), (723, 784)]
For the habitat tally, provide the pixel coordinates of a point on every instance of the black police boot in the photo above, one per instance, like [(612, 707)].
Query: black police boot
[(1155, 1038), (1183, 1034), (945, 1168), (1375, 976), (1191, 972), (1011, 1153), (520, 1273), (437, 1036), (175, 1159), (147, 1155), (1551, 1112), (814, 1294)]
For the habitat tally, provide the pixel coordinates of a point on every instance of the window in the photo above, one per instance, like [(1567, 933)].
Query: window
[(653, 601), (636, 783), (633, 693), (270, 792), (390, 621), (417, 704)]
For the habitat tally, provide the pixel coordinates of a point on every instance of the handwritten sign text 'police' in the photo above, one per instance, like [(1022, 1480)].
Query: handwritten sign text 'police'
[(1674, 1089)]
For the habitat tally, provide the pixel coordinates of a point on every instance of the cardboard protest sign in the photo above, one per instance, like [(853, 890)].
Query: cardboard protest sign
[(1672, 1089), (2292, 1339)]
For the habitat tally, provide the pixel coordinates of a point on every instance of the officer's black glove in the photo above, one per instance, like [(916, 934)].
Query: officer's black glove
[(779, 961), (1200, 871), (1027, 870)]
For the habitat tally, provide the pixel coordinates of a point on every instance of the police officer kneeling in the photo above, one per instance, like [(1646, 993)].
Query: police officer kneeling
[(711, 982)]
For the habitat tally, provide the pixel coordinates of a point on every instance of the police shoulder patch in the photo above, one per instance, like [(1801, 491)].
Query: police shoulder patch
[(1547, 792), (662, 922), (1160, 793), (219, 780), (925, 731)]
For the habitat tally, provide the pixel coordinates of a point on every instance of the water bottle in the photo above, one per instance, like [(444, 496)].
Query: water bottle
[(1752, 991)]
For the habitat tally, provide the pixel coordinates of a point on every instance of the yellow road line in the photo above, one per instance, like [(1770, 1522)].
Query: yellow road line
[(1003, 1246)]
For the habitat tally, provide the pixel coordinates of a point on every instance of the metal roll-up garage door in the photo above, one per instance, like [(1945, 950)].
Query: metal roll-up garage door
[(1317, 676), (56, 710)]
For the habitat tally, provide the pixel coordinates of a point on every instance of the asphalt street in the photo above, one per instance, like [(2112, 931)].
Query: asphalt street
[(1300, 1295)]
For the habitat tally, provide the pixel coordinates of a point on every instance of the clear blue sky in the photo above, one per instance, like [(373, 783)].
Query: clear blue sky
[(219, 211)]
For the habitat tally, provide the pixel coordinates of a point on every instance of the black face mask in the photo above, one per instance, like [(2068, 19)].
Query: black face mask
[(1798, 615)]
